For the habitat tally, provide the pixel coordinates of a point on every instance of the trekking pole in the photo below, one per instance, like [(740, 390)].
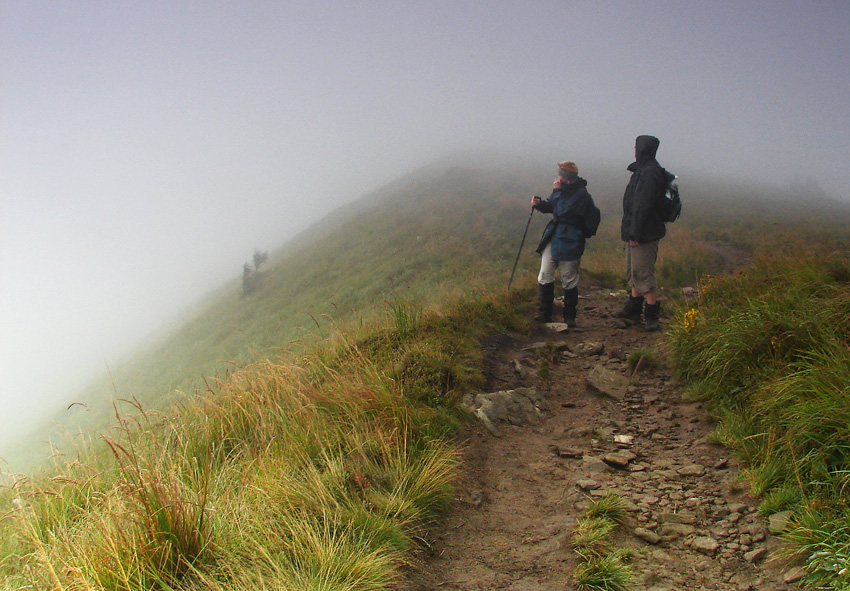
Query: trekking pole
[(527, 224)]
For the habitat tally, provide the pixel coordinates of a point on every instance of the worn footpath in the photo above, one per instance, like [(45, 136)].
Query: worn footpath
[(565, 421)]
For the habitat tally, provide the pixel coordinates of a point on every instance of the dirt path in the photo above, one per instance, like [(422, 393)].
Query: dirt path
[(525, 485)]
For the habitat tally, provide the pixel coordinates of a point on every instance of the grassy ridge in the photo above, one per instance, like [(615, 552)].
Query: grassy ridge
[(769, 349), (312, 470), (434, 234), (311, 473)]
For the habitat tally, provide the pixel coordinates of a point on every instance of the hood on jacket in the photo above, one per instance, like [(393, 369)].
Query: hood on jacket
[(645, 147)]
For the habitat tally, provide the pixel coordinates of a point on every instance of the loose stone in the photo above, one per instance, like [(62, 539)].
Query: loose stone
[(755, 555), (647, 535), (588, 484), (778, 522), (619, 459), (705, 545)]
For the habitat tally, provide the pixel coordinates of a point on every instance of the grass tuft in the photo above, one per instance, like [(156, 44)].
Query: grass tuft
[(606, 573), (611, 506), (602, 566)]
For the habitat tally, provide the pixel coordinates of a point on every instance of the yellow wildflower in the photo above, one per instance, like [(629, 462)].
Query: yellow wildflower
[(689, 319)]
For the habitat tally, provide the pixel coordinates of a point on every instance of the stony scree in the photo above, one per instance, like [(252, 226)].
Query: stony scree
[(542, 449)]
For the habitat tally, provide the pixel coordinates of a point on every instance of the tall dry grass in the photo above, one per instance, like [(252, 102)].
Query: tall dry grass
[(314, 471)]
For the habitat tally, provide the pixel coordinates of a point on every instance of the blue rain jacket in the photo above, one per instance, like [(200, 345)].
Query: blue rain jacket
[(568, 205)]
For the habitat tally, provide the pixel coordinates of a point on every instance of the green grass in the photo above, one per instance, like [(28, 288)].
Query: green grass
[(611, 507), (601, 567), (314, 436), (768, 349), (606, 573)]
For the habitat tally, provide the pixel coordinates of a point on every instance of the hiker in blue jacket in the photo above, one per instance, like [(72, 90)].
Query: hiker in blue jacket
[(641, 229), (563, 241)]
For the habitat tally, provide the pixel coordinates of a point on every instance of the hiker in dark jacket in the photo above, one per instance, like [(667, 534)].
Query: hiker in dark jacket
[(563, 241), (642, 228)]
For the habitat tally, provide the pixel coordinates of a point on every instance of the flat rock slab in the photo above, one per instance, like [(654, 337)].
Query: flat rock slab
[(676, 530), (517, 407), (589, 348), (608, 382), (619, 459), (624, 440), (691, 470), (588, 484)]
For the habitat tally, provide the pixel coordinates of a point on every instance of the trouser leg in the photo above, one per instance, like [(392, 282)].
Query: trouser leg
[(569, 281), (570, 306)]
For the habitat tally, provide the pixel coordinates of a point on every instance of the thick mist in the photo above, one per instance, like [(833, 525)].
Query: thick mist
[(149, 148)]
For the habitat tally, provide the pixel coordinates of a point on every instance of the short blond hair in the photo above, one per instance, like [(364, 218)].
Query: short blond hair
[(568, 166)]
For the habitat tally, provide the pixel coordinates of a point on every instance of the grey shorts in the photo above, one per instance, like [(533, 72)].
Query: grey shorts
[(640, 266)]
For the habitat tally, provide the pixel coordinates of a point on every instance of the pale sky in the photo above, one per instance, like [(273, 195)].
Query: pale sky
[(147, 148)]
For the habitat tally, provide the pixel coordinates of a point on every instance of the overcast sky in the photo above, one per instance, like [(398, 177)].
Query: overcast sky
[(149, 147)]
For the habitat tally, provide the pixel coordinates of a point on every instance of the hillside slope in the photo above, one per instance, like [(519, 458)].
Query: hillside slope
[(439, 231), (427, 235)]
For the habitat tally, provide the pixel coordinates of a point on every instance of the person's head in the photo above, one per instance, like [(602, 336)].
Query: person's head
[(645, 147), (568, 171)]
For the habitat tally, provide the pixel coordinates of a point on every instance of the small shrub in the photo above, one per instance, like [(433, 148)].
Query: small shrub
[(820, 541)]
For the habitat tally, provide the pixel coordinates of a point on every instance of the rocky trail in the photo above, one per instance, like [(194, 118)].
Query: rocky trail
[(567, 422)]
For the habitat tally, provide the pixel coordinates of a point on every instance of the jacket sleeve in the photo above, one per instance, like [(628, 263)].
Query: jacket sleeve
[(545, 206), (648, 187)]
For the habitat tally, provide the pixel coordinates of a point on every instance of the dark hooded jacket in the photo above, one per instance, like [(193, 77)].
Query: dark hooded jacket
[(642, 216), (568, 206)]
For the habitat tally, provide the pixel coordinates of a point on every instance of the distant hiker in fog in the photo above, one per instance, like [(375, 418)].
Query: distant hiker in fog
[(642, 228), (574, 219)]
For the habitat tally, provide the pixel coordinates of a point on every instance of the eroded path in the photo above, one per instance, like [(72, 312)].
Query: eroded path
[(691, 525)]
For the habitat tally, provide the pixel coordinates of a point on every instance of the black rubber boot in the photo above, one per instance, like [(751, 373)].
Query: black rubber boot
[(546, 294), (632, 310), (650, 315), (570, 305)]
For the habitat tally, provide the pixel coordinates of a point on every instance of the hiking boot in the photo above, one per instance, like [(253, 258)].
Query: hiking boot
[(546, 295), (650, 315), (570, 304), (631, 310)]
